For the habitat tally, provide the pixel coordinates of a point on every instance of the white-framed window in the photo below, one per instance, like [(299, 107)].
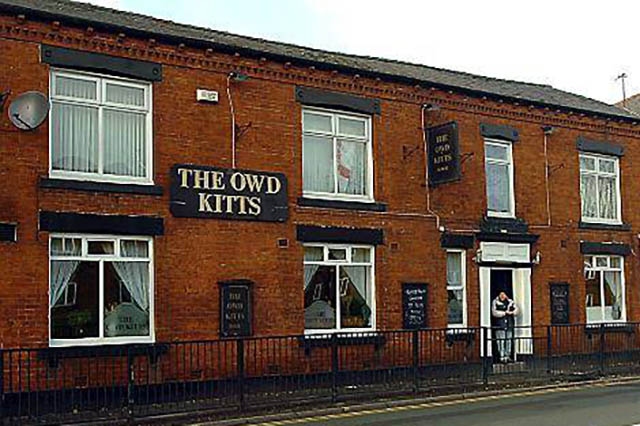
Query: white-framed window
[(337, 159), (498, 166), (600, 188), (100, 128), (605, 289), (339, 290), (112, 282), (456, 289)]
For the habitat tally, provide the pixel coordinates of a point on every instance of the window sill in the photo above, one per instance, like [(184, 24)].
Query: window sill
[(91, 186), (604, 226), (312, 340), (460, 334), (609, 327), (341, 204), (54, 354)]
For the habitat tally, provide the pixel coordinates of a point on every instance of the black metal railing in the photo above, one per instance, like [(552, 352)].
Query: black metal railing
[(222, 377)]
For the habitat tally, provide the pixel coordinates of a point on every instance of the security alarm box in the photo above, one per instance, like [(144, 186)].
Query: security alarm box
[(203, 95)]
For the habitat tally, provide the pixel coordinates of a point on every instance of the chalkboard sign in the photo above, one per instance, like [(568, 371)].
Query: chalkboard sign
[(559, 303), (235, 308), (444, 155), (414, 305)]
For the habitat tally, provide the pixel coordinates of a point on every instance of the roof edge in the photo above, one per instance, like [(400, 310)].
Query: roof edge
[(256, 54)]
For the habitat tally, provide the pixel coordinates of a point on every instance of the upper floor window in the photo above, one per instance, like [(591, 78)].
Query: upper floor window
[(338, 288), (336, 152), (456, 289), (600, 188), (100, 290), (100, 128), (605, 299), (498, 165)]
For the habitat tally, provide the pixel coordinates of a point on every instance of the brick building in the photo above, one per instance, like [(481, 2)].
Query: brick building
[(299, 192)]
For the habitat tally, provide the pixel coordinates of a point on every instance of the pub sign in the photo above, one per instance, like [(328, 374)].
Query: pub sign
[(217, 193), (235, 308), (444, 154)]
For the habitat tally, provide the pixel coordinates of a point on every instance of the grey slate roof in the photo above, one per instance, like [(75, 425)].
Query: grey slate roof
[(137, 24)]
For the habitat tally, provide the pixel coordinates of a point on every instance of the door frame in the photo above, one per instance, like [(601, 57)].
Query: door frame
[(521, 281)]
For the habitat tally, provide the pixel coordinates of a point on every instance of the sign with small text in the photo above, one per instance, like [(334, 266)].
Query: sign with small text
[(559, 303), (235, 308), (414, 305), (215, 193), (443, 153)]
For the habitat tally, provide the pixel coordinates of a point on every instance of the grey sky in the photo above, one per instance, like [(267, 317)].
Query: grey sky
[(578, 46)]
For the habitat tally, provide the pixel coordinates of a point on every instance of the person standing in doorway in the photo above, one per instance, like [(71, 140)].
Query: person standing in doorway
[(504, 310)]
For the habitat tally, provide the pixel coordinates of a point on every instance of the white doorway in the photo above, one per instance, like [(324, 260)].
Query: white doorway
[(516, 282)]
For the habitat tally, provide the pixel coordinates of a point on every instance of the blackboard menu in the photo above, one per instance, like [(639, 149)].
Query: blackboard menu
[(414, 305), (559, 303), (235, 308), (444, 155)]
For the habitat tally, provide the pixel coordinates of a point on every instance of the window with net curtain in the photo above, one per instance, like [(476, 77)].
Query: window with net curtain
[(456, 303), (605, 298), (336, 153), (599, 188), (338, 288), (100, 289), (100, 128), (499, 178)]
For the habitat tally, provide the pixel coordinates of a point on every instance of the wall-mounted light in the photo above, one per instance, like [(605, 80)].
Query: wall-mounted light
[(537, 258)]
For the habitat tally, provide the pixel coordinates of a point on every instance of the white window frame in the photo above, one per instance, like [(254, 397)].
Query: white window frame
[(347, 262), (101, 81), (616, 174), (602, 269), (334, 135), (509, 163), (85, 257), (463, 287)]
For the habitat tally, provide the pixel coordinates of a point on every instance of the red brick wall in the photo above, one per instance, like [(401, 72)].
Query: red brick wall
[(194, 254)]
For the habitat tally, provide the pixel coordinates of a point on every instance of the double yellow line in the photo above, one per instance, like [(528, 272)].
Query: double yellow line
[(427, 405)]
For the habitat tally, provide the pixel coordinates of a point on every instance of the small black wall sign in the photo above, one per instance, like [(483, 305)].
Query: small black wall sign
[(444, 154), (414, 305), (559, 303), (235, 308), (215, 193)]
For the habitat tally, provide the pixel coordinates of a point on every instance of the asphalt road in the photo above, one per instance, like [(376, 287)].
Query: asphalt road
[(614, 405)]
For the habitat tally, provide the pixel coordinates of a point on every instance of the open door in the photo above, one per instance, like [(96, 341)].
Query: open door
[(517, 287)]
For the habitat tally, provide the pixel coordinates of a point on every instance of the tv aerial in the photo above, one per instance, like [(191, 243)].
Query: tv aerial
[(28, 110)]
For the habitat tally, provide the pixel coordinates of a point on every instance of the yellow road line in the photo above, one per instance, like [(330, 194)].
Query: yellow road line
[(430, 405)]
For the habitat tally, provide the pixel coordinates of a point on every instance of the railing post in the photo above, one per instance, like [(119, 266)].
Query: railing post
[(241, 373), (415, 341), (601, 353), (1, 386), (549, 353), (130, 382), (334, 367), (484, 331)]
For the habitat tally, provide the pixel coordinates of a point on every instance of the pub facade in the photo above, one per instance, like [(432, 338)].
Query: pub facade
[(189, 184)]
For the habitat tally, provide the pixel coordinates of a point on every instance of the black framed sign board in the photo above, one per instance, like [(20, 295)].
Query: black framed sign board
[(414, 305), (235, 308), (559, 298), (215, 193), (444, 153)]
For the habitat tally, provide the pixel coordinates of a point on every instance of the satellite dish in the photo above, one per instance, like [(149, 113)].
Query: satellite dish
[(29, 110)]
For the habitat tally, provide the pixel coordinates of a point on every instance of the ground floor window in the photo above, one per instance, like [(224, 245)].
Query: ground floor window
[(456, 291), (605, 300), (338, 287), (100, 289)]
